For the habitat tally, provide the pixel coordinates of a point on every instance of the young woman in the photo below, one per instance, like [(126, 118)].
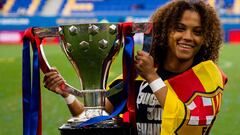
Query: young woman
[(187, 37)]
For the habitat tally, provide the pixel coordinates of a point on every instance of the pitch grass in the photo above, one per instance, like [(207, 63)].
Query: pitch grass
[(55, 111)]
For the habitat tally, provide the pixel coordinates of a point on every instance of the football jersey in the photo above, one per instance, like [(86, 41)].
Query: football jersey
[(192, 102)]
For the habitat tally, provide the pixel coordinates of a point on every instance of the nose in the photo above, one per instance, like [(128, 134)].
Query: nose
[(187, 35)]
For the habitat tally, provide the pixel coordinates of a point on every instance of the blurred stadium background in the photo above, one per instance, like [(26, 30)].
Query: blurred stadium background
[(18, 15)]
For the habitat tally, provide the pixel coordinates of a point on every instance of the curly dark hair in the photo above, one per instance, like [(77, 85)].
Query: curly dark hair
[(165, 19)]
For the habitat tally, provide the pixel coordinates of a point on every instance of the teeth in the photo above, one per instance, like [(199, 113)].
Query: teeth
[(185, 46)]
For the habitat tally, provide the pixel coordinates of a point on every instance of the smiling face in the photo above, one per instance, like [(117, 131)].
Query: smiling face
[(185, 40)]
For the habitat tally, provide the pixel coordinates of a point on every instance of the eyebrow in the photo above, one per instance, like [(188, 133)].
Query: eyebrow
[(179, 23)]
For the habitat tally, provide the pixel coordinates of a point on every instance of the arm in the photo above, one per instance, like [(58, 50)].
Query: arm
[(145, 66), (108, 106), (52, 81)]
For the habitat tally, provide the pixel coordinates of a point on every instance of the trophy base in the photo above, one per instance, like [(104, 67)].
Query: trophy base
[(109, 127), (86, 115)]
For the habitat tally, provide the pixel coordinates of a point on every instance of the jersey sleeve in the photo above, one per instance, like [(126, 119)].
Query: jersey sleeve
[(173, 114)]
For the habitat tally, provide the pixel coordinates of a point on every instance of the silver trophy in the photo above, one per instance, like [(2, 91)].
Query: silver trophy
[(91, 48)]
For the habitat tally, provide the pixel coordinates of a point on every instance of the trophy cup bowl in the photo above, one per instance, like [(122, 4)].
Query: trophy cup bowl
[(91, 49)]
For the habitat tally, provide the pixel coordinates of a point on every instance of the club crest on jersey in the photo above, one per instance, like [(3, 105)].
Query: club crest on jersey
[(201, 111)]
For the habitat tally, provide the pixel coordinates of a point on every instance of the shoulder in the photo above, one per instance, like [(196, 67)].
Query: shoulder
[(210, 69)]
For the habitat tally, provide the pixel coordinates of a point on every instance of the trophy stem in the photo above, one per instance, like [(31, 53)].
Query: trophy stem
[(94, 99)]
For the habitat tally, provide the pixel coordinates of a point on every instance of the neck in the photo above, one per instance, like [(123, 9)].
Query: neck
[(177, 66)]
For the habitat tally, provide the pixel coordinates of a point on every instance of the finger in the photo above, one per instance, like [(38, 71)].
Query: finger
[(139, 52), (142, 60), (55, 87), (142, 53), (49, 74), (138, 57), (139, 64), (53, 81), (49, 77)]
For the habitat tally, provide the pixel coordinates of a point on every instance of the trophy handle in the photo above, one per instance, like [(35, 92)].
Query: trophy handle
[(146, 29), (44, 64)]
